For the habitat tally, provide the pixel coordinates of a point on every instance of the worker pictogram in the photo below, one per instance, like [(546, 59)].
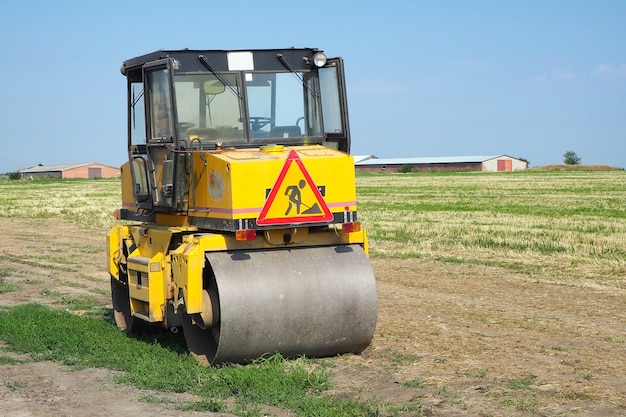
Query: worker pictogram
[(294, 198)]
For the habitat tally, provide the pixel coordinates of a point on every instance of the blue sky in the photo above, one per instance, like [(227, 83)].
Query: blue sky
[(530, 79)]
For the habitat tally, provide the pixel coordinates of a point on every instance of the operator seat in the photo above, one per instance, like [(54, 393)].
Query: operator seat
[(285, 132)]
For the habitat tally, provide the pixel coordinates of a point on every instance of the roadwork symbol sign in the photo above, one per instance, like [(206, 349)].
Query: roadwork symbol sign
[(294, 198)]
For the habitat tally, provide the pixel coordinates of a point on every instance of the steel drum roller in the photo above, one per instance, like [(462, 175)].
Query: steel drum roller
[(318, 301)]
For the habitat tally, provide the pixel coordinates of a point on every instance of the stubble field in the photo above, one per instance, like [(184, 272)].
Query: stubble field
[(499, 295)]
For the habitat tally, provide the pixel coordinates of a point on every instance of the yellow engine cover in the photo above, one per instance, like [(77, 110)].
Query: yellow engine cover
[(271, 187)]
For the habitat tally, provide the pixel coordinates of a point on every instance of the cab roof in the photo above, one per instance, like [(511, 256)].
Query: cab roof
[(188, 60)]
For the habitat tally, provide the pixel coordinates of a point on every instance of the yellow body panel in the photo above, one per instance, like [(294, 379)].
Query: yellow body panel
[(115, 239), (187, 266), (235, 184)]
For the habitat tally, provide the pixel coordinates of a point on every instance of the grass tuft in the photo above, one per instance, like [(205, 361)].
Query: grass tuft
[(7, 286), (6, 360)]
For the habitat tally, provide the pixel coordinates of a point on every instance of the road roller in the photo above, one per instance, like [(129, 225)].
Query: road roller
[(238, 223)]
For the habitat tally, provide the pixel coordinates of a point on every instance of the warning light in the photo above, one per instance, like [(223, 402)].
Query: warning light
[(116, 214), (351, 227), (245, 234)]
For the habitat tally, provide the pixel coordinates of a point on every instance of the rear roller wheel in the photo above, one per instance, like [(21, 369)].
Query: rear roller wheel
[(120, 298), (121, 305), (202, 330)]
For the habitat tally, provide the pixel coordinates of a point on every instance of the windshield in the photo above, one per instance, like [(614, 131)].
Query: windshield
[(207, 109), (283, 107)]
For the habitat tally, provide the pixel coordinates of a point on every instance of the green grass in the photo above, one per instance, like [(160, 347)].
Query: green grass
[(418, 383), (37, 264), (576, 395), (477, 373), (6, 272), (402, 358), (161, 363), (522, 383), (518, 393), (7, 286), (14, 385), (6, 360)]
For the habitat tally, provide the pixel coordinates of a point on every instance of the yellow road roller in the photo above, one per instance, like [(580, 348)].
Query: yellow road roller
[(238, 221)]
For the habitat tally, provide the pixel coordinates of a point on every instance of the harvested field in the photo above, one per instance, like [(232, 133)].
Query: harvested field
[(500, 295)]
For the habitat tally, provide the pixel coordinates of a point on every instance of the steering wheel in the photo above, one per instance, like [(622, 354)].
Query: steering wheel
[(182, 126), (256, 123), (300, 119)]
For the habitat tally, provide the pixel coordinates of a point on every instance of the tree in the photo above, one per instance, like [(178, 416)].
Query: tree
[(405, 168), (570, 158)]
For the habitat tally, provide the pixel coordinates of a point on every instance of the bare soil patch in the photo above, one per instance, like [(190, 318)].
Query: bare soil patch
[(452, 339)]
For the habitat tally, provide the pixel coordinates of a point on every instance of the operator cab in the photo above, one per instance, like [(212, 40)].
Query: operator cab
[(184, 101)]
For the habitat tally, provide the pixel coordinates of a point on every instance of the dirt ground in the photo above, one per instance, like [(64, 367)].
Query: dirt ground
[(452, 339)]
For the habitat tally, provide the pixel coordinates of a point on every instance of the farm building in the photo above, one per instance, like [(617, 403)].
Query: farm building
[(85, 170), (496, 163)]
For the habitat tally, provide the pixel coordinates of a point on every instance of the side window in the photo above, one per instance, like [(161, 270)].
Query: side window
[(137, 115), (331, 107), (160, 159), (161, 112)]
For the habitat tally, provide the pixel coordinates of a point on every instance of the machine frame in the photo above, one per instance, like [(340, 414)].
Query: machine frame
[(241, 228)]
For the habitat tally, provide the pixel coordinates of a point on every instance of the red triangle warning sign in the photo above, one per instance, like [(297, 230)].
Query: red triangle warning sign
[(294, 198)]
